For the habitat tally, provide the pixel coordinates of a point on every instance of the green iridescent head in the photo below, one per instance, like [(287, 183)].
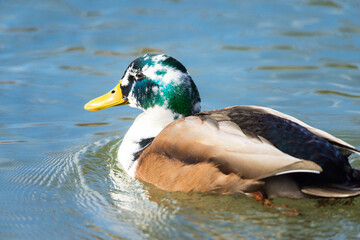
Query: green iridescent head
[(159, 80)]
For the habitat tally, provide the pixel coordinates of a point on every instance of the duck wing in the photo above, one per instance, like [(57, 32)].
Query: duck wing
[(345, 148), (292, 137), (198, 139)]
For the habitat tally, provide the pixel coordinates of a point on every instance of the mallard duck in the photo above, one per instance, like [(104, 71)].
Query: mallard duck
[(241, 149)]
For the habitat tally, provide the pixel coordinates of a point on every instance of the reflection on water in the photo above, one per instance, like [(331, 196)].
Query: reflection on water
[(19, 29), (59, 176), (91, 124), (140, 51), (249, 48), (337, 93), (287, 68)]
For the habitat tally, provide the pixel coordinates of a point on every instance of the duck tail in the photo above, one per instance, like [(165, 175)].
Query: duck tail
[(355, 173), (349, 189)]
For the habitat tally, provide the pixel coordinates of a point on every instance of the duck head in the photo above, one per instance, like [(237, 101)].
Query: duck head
[(153, 80)]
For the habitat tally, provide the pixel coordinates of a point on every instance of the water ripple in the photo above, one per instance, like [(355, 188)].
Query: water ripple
[(19, 29), (56, 187), (286, 68), (337, 93), (87, 183)]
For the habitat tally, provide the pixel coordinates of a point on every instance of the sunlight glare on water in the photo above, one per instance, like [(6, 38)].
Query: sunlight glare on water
[(59, 176)]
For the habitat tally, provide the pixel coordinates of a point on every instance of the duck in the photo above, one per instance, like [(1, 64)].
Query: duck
[(176, 147)]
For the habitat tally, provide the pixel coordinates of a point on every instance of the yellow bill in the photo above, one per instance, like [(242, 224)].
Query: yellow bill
[(112, 98)]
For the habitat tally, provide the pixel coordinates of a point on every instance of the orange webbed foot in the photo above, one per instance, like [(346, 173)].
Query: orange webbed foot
[(283, 209)]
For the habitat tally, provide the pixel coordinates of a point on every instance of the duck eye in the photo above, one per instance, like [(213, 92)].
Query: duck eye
[(139, 76)]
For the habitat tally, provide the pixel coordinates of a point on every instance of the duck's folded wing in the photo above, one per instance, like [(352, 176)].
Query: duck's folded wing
[(194, 140), (345, 148)]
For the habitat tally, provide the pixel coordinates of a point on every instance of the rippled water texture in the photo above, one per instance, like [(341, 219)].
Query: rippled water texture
[(59, 177)]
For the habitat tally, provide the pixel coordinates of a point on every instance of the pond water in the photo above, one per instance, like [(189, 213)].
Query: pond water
[(59, 177)]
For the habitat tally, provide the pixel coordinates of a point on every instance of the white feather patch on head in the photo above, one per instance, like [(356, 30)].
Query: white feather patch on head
[(159, 58), (170, 74), (132, 100), (155, 89), (157, 71), (125, 80)]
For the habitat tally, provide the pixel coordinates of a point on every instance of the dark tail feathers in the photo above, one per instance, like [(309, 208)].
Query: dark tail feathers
[(355, 181)]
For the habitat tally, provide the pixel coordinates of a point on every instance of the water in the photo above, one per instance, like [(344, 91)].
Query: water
[(58, 172)]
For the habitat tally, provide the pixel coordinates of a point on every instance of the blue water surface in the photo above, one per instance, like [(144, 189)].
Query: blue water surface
[(59, 177)]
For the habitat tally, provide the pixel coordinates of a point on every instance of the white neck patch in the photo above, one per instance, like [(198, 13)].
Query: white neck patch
[(147, 125)]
